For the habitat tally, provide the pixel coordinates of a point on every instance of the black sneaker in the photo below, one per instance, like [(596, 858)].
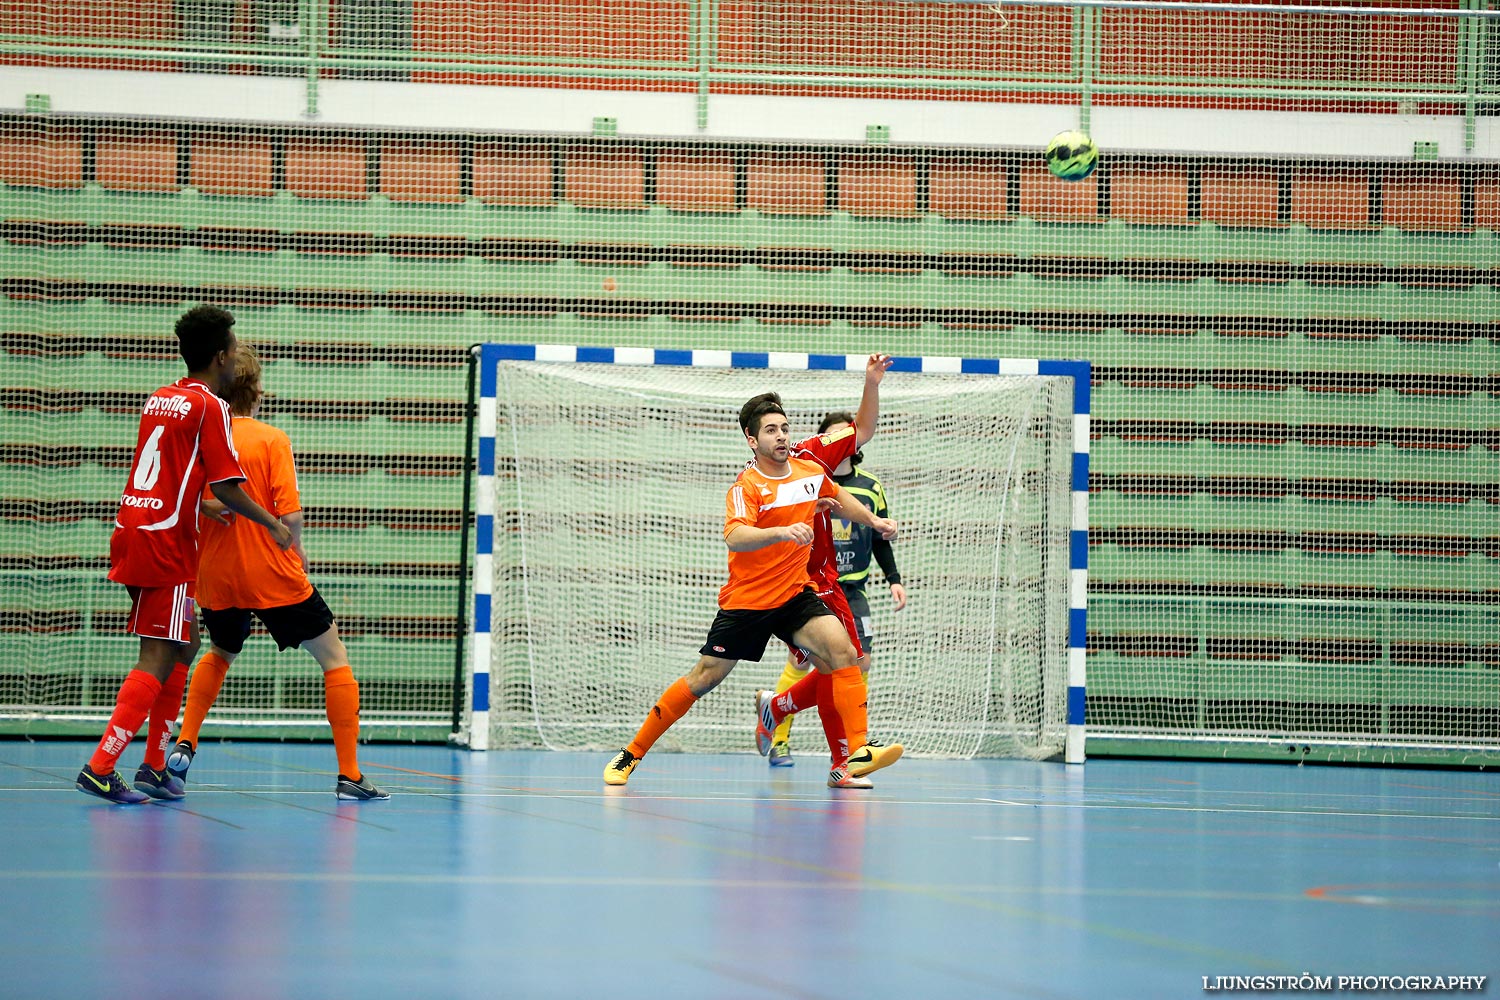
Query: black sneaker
[(358, 790), (110, 787), (159, 784), (179, 760)]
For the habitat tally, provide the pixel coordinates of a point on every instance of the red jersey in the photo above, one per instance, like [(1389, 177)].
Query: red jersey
[(828, 450), (184, 442)]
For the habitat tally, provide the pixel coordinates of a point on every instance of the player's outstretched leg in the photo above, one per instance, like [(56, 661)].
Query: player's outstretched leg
[(617, 771), (873, 756), (671, 706), (849, 696), (771, 707)]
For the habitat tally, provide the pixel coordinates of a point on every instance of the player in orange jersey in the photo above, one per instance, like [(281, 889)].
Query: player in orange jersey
[(768, 524), (240, 576), (183, 443)]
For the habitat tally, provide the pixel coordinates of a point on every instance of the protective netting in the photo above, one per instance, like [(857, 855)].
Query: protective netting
[(609, 553), (1283, 270)]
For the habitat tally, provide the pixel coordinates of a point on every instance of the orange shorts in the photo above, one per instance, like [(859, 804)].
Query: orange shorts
[(833, 596), (163, 612)]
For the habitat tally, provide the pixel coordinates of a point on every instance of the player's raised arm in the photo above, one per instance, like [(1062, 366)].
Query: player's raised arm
[(868, 414)]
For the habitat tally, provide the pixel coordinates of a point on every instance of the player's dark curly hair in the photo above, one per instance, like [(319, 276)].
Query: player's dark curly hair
[(202, 332), (755, 408), (841, 417)]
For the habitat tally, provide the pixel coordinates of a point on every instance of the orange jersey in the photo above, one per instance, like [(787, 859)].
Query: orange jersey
[(240, 567), (769, 577)]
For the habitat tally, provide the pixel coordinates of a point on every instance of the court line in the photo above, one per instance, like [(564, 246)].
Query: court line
[(340, 814), (473, 788), (652, 882), (176, 806), (812, 797), (1245, 810)]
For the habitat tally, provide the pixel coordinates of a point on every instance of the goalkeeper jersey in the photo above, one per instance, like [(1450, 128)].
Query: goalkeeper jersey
[(854, 543), (769, 577)]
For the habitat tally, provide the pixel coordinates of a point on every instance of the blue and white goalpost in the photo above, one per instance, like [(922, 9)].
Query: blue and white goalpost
[(597, 552)]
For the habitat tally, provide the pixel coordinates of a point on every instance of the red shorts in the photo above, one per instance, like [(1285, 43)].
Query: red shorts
[(163, 612), (833, 596)]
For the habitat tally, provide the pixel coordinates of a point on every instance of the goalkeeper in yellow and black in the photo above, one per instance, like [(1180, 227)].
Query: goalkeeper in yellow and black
[(854, 545)]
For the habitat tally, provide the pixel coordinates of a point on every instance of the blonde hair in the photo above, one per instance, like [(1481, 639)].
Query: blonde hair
[(245, 390)]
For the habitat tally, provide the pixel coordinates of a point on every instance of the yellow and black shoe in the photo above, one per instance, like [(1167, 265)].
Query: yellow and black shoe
[(872, 757), (618, 771)]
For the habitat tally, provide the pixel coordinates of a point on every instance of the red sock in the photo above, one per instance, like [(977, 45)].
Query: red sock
[(132, 705), (163, 714), (671, 706), (833, 724), (849, 699), (801, 695)]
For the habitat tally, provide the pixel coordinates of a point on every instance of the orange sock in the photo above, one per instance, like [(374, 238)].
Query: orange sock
[(132, 705), (671, 706), (208, 678), (163, 713), (849, 699), (341, 692), (833, 724)]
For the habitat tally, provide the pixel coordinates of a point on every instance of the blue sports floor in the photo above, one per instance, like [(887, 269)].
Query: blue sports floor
[(518, 875)]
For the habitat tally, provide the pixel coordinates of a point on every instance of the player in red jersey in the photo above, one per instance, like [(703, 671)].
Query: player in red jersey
[(184, 441), (799, 689)]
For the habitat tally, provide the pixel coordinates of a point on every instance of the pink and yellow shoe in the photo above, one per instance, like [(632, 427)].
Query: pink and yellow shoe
[(840, 777)]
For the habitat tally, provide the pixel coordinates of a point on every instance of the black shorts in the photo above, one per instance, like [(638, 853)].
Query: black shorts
[(291, 625), (742, 634), (859, 607)]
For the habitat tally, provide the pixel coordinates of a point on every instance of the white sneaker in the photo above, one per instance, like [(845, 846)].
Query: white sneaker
[(840, 777)]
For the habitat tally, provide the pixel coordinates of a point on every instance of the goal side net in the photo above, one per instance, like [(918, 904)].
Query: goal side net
[(599, 546)]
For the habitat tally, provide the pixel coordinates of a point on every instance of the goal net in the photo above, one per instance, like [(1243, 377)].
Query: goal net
[(600, 552)]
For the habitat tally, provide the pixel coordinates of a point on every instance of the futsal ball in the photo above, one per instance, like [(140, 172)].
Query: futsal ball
[(1071, 155)]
